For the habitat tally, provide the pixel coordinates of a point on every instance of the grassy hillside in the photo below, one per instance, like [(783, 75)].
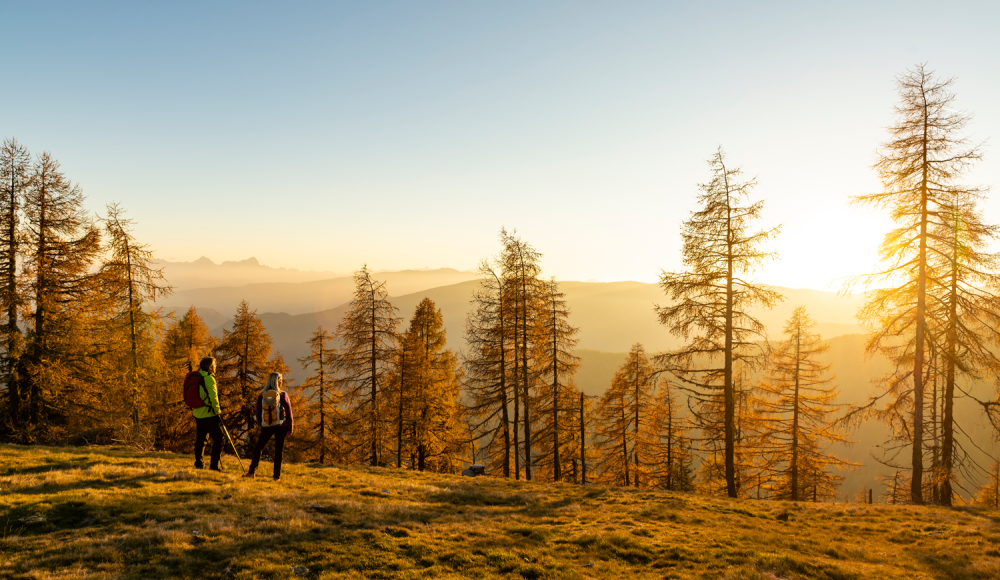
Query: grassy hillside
[(97, 513)]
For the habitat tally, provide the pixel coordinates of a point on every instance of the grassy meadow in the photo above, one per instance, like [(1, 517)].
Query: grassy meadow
[(114, 513)]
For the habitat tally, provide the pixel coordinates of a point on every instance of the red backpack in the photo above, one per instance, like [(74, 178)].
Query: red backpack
[(192, 396)]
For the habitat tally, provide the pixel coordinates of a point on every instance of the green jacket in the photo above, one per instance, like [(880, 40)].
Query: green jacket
[(210, 394)]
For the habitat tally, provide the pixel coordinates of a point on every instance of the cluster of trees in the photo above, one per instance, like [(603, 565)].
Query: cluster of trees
[(78, 331), (374, 393), (932, 309), (83, 350)]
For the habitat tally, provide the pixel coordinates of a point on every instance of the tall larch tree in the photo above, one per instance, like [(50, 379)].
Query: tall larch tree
[(15, 171), (428, 417), (520, 266), (712, 297), (556, 401), (487, 363), (322, 361), (964, 304), (61, 246), (919, 168), (623, 417), (897, 488), (243, 364), (671, 462), (612, 430), (368, 335), (989, 493), (801, 412), (129, 277), (186, 342)]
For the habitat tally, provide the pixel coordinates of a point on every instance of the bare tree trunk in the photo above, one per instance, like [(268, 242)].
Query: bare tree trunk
[(557, 467), (524, 372), (916, 483), (636, 402), (374, 379), (517, 401), (322, 408), (583, 445), (730, 399), (625, 443), (795, 419), (399, 417), (670, 444)]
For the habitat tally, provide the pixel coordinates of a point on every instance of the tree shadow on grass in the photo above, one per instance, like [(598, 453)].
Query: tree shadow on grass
[(955, 566), (95, 483), (49, 465)]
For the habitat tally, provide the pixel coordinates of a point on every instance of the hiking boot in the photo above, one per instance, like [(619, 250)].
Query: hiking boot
[(277, 478), (198, 464), (251, 475)]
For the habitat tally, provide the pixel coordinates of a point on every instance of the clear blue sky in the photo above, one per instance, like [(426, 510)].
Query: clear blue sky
[(327, 135)]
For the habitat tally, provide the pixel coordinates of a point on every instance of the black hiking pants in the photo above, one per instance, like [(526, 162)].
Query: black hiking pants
[(279, 432), (208, 426)]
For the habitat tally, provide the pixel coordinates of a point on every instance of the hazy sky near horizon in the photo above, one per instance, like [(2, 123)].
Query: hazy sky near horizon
[(405, 134)]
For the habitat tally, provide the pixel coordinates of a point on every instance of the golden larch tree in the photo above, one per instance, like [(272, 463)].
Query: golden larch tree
[(61, 246), (368, 335), (519, 264), (185, 342), (424, 393), (488, 362), (989, 493), (322, 361), (243, 364), (623, 420), (671, 464), (911, 305), (711, 299), (800, 411), (129, 277), (15, 172), (556, 399)]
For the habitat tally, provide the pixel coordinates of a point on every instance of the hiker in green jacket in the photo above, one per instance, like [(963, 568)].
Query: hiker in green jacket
[(207, 417)]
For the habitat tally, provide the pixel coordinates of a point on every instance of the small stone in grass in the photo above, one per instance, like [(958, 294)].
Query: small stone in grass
[(386, 491), (228, 496), (300, 570)]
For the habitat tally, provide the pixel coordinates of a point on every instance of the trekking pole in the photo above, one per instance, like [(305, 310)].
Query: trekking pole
[(226, 431)]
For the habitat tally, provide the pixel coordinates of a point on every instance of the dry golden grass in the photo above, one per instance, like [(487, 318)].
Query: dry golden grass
[(93, 513)]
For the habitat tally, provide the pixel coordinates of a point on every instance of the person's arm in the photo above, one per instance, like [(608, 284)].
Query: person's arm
[(213, 394), (288, 411)]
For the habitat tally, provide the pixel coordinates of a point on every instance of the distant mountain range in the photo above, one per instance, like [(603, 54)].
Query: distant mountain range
[(204, 273), (306, 297)]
